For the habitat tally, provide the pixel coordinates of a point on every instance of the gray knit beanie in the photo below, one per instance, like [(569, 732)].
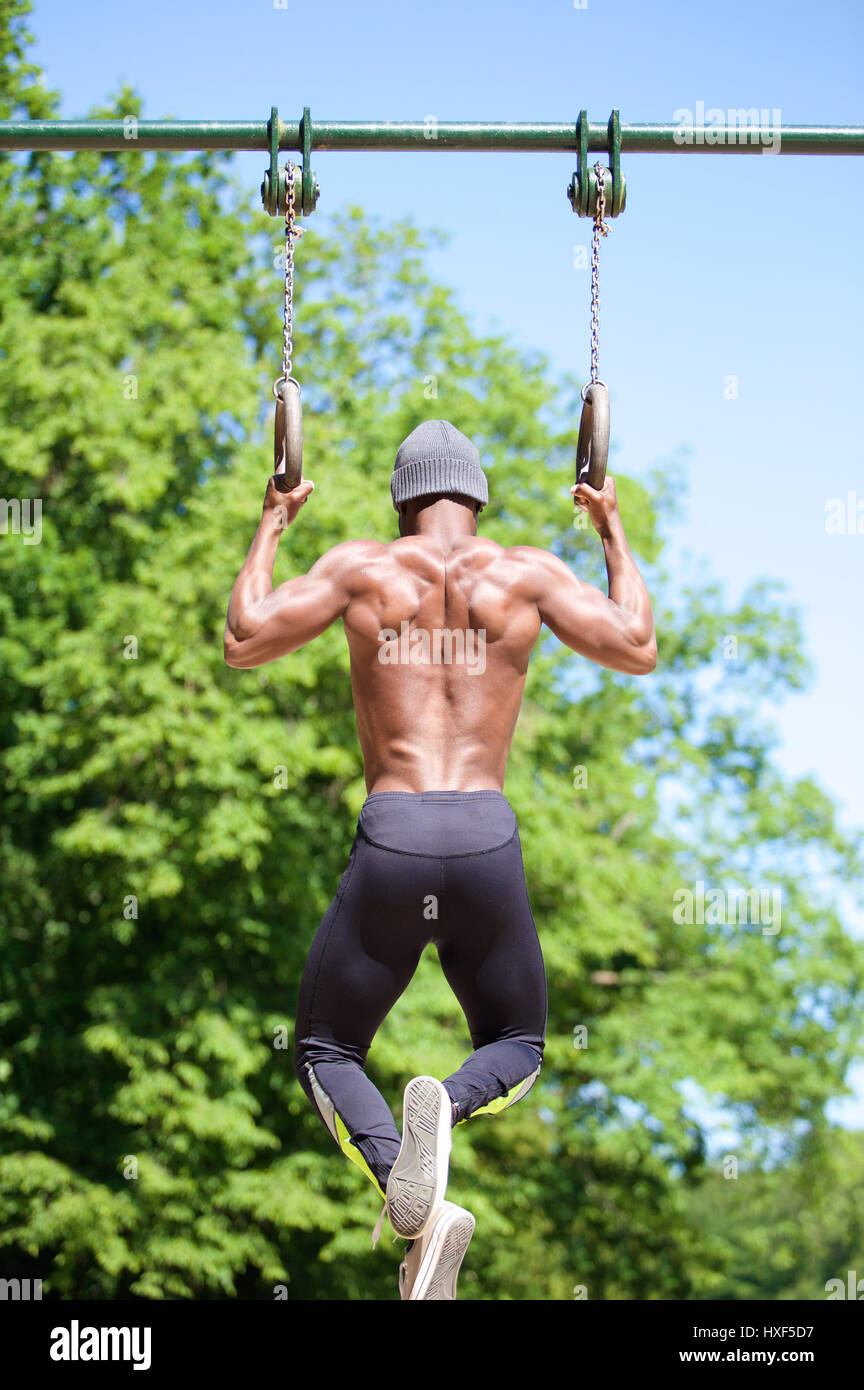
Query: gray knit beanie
[(436, 457)]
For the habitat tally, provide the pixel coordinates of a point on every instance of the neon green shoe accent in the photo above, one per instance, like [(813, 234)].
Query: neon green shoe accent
[(351, 1151)]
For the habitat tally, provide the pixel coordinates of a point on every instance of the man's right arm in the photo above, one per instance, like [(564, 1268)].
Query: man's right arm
[(617, 631)]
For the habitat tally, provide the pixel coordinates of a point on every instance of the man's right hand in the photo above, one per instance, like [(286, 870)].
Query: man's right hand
[(602, 507)]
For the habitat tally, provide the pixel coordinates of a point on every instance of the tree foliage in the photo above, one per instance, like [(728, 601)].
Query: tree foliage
[(173, 830)]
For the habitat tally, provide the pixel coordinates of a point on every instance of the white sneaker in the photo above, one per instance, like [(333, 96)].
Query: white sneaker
[(418, 1179), (432, 1261)]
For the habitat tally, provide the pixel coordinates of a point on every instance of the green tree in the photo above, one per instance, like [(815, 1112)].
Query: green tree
[(173, 830), (791, 1230)]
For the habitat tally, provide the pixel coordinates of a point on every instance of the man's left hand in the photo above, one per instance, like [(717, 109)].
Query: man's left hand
[(287, 504)]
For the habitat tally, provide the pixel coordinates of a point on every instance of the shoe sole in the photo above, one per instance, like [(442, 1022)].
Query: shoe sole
[(418, 1179), (437, 1275)]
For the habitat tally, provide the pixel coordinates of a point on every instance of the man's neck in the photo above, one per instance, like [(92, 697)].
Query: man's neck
[(446, 523)]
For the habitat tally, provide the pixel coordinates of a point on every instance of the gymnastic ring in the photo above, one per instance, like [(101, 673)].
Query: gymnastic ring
[(287, 434), (593, 448)]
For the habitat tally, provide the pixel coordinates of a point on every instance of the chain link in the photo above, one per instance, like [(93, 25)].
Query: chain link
[(601, 228), (291, 234)]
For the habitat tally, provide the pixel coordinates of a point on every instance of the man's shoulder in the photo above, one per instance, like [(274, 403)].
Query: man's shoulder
[(532, 559), (346, 554), (528, 554), (534, 572), (358, 555)]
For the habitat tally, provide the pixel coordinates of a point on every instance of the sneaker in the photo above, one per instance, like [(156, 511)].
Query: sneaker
[(432, 1262), (418, 1179)]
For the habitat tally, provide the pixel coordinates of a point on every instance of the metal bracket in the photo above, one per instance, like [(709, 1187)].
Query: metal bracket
[(274, 193), (309, 186), (582, 190)]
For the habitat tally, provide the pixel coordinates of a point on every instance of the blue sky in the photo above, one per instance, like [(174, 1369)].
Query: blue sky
[(722, 265)]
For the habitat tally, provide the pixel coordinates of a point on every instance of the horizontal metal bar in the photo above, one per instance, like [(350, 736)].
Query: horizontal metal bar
[(131, 134), (538, 137), (424, 135), (793, 139)]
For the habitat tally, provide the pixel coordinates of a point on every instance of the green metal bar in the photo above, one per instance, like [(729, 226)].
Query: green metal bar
[(130, 135), (538, 137)]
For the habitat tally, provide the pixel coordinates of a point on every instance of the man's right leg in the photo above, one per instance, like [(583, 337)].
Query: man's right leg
[(363, 957)]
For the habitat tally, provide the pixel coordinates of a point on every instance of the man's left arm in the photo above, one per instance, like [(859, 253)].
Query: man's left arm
[(264, 623)]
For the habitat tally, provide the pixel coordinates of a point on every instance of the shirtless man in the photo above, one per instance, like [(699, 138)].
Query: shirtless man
[(440, 626)]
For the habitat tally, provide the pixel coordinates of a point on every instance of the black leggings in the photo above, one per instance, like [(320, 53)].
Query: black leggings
[(438, 866)]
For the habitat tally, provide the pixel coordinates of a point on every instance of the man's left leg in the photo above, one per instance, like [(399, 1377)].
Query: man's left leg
[(363, 957), (490, 953)]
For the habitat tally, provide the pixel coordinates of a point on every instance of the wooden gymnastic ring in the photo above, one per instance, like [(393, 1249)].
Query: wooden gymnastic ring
[(288, 435), (593, 447)]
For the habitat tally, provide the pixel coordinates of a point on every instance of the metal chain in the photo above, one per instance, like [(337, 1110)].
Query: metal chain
[(291, 233), (601, 228)]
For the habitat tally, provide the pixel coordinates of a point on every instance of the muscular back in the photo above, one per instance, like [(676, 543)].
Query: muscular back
[(439, 645), (440, 629)]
